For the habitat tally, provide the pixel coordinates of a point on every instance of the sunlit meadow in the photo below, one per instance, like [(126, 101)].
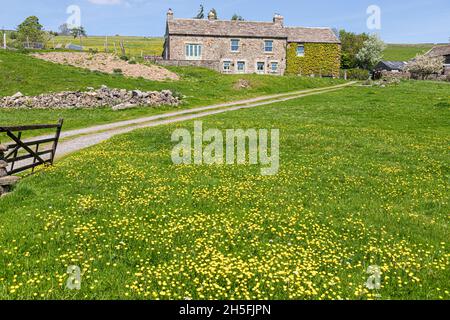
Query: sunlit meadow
[(364, 180)]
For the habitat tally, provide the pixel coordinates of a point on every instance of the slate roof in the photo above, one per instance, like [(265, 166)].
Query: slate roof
[(223, 28), (391, 65), (439, 51), (302, 34)]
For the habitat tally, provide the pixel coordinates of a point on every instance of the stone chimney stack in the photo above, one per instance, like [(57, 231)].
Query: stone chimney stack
[(212, 15), (278, 19), (170, 15)]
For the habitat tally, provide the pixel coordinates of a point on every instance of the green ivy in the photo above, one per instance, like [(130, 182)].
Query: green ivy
[(321, 59)]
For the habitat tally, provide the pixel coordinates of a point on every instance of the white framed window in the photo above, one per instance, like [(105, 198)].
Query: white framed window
[(235, 45), (260, 67), (268, 46), (227, 66), (274, 67), (240, 66), (300, 50), (193, 51)]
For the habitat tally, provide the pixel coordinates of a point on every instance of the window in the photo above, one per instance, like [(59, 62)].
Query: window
[(227, 66), (235, 45), (300, 50), (274, 67), (241, 66), (193, 51), (268, 46), (260, 66)]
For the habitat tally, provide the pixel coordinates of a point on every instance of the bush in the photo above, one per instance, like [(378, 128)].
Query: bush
[(424, 66), (118, 71), (356, 74), (124, 58), (132, 61)]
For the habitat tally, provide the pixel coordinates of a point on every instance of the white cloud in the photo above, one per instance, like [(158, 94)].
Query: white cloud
[(105, 2)]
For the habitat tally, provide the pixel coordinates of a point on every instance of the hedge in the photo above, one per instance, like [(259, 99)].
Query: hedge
[(356, 74), (321, 59)]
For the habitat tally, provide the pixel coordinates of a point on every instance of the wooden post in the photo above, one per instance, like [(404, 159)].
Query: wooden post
[(3, 148), (16, 151), (55, 143), (106, 44), (122, 47), (3, 166)]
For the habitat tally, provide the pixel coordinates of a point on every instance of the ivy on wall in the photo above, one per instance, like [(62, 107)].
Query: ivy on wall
[(320, 59)]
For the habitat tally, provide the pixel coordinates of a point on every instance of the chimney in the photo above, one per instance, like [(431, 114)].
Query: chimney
[(278, 19), (212, 15), (170, 15)]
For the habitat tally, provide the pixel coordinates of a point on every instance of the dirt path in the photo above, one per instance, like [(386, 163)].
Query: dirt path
[(79, 139), (135, 122)]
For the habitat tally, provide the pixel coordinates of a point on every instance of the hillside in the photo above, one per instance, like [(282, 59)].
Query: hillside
[(405, 52), (134, 46), (198, 87)]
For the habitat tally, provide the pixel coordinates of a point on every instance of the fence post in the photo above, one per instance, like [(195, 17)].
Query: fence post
[(55, 143), (4, 40), (3, 166), (3, 148)]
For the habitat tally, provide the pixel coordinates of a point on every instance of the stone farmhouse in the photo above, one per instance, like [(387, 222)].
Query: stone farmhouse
[(251, 47), (443, 52)]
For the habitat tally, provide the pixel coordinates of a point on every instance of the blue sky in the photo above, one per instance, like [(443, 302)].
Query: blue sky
[(402, 21)]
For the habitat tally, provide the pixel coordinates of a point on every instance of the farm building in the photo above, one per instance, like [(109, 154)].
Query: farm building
[(251, 47), (444, 52), (392, 66)]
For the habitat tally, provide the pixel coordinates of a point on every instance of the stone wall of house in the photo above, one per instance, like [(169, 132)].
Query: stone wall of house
[(218, 49), (447, 70), (210, 64)]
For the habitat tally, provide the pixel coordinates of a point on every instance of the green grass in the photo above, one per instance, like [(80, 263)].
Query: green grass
[(134, 46), (405, 52), (199, 86), (363, 181)]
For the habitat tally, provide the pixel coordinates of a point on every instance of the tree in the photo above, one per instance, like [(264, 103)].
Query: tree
[(371, 53), (237, 17), (64, 30), (424, 66), (30, 30), (351, 44), (78, 33), (201, 13)]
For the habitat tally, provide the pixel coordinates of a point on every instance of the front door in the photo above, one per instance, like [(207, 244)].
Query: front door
[(241, 67), (260, 68)]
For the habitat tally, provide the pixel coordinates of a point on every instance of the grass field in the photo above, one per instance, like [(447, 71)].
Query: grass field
[(405, 52), (199, 86), (363, 181), (134, 46)]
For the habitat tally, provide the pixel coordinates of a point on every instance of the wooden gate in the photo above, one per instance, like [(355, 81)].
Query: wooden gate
[(21, 155)]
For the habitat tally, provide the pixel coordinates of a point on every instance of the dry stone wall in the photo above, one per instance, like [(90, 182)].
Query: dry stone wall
[(103, 97)]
